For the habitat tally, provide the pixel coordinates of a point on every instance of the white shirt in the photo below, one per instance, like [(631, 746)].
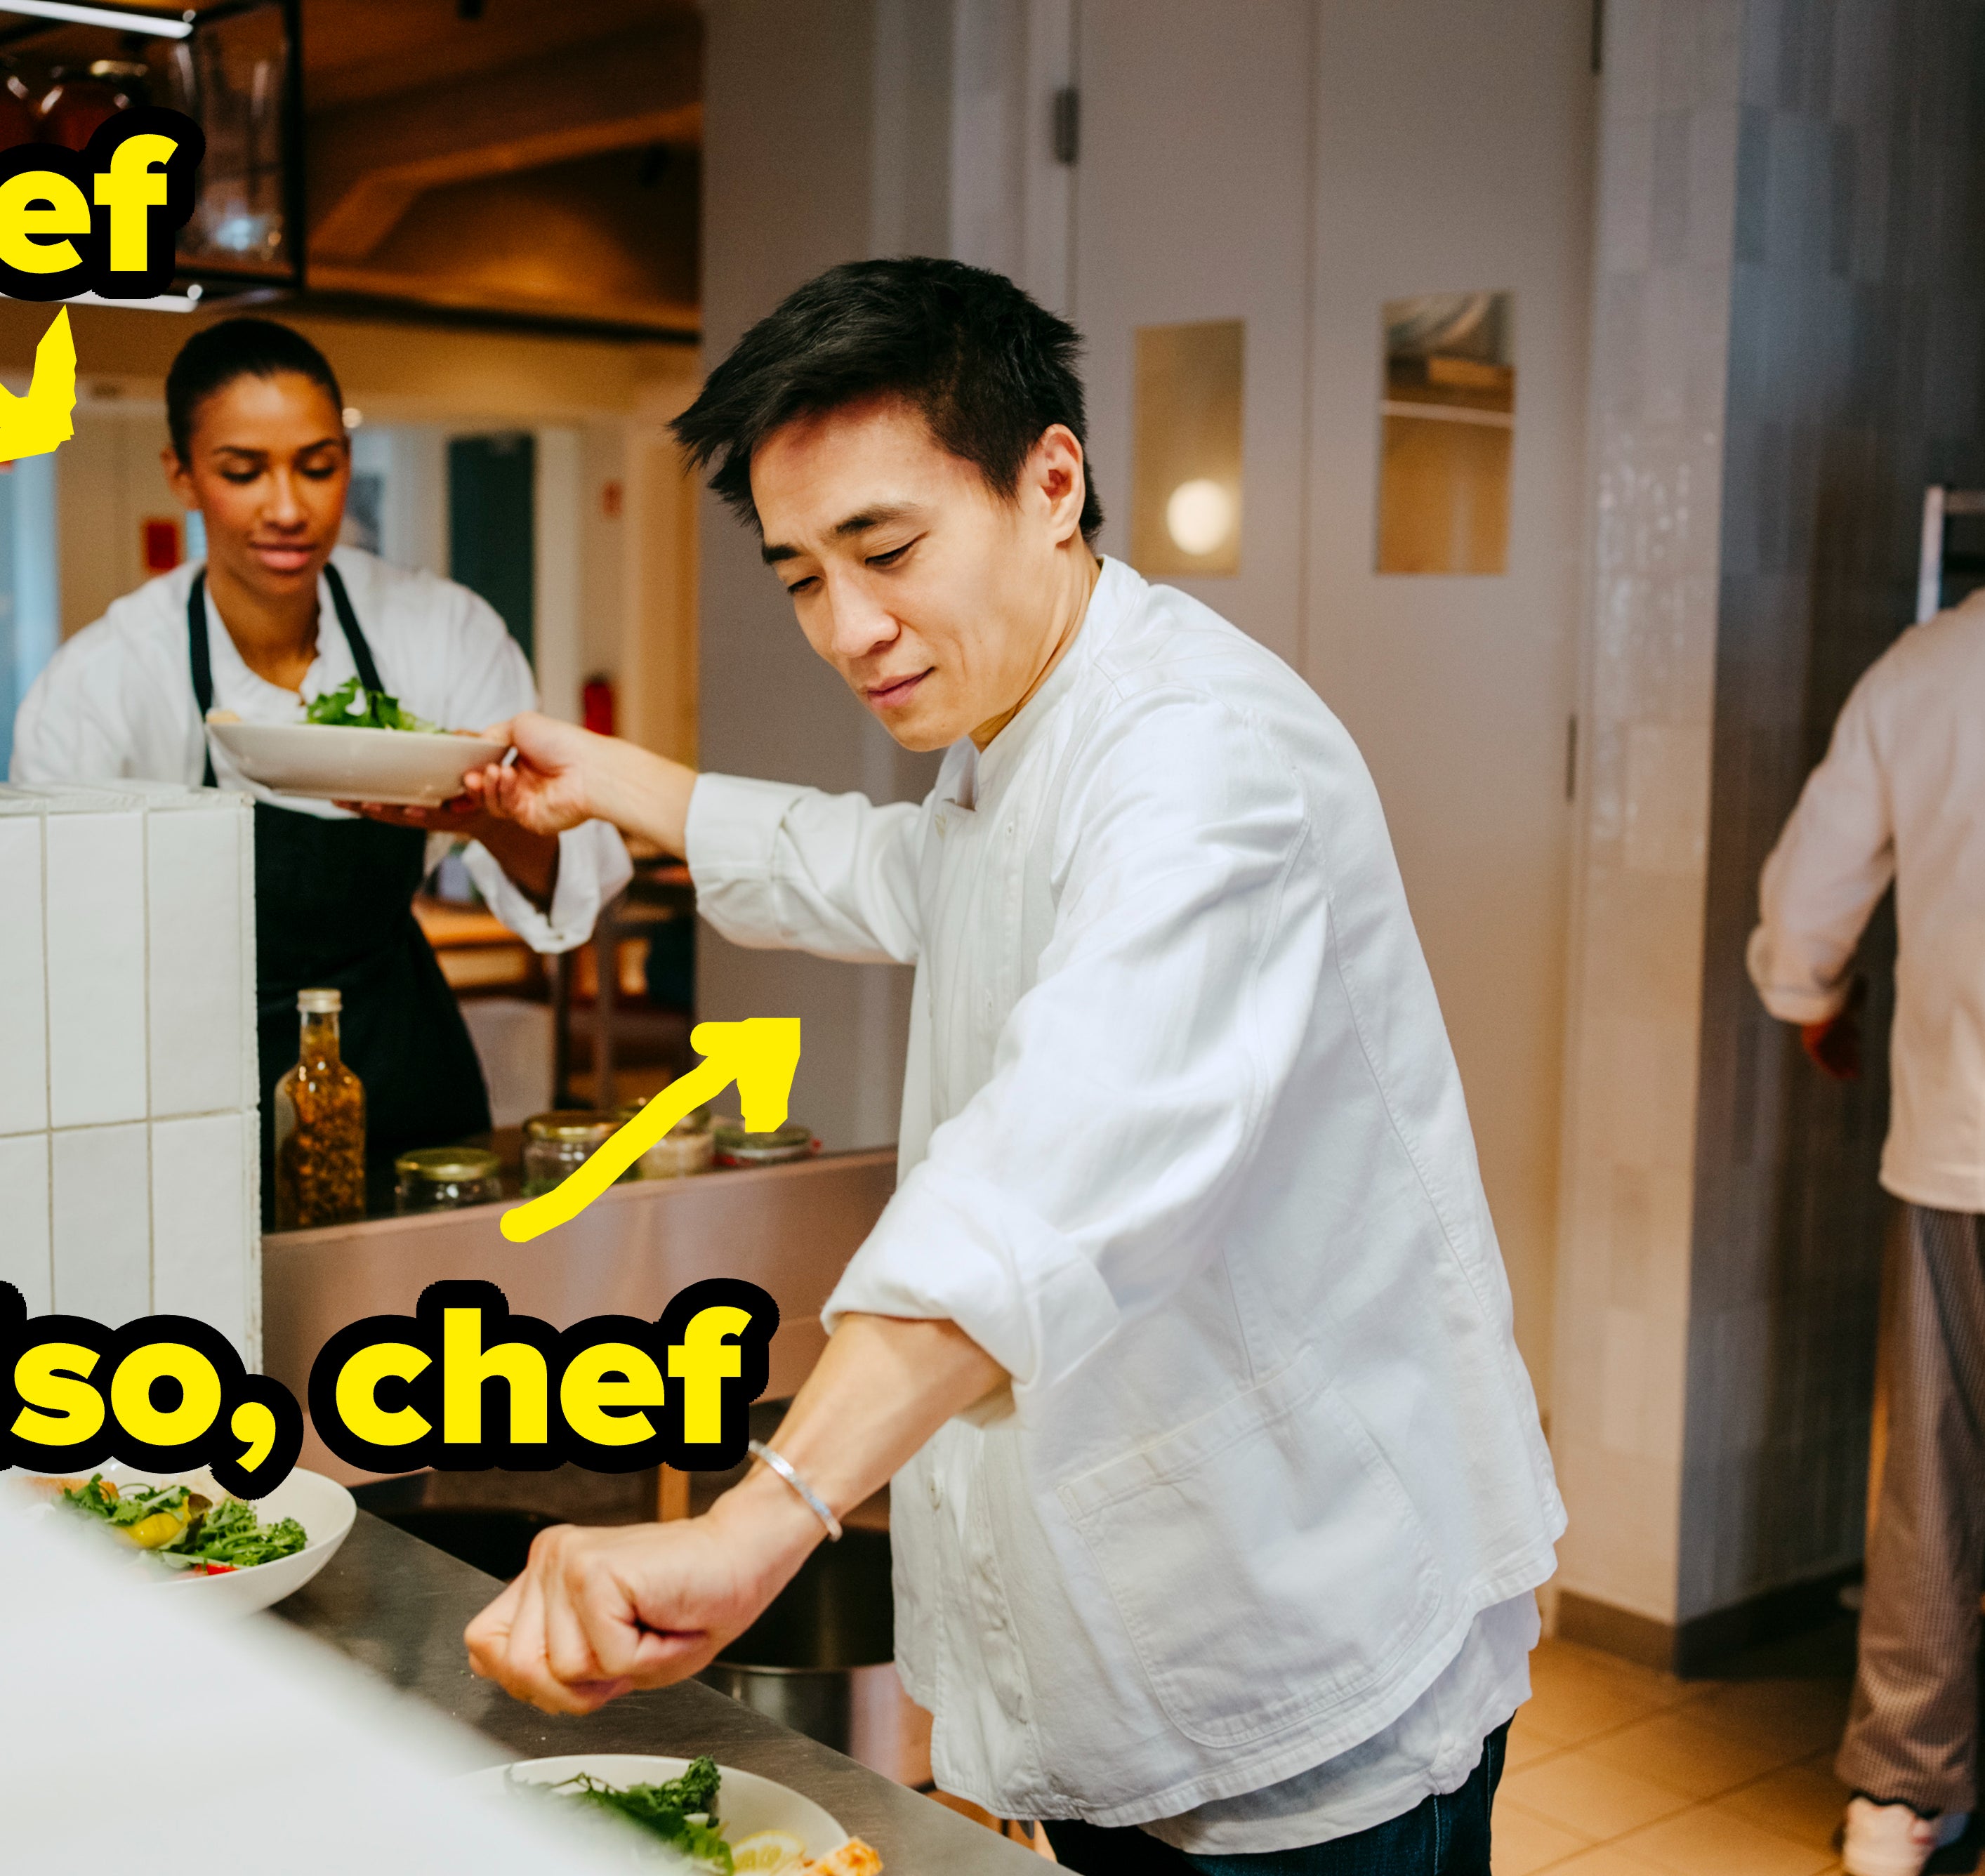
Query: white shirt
[(116, 701), (1901, 796), (1183, 1148), (1432, 1747)]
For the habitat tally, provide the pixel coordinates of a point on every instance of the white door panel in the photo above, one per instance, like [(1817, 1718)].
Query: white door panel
[(1192, 202)]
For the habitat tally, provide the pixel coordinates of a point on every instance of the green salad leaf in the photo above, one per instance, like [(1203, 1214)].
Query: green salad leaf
[(132, 1506), (681, 1811), (229, 1534), (352, 706), (232, 1533)]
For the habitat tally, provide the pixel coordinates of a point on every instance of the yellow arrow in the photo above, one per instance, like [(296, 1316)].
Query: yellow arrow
[(34, 425), (759, 1054)]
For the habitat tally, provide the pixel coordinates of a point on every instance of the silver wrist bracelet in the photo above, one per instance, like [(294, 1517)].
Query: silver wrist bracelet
[(813, 1501)]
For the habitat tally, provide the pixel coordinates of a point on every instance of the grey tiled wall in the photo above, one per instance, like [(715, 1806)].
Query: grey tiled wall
[(1666, 197), (1856, 340), (1788, 343)]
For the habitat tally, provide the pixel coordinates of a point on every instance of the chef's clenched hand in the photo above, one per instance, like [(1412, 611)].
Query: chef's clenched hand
[(562, 775), (597, 1613)]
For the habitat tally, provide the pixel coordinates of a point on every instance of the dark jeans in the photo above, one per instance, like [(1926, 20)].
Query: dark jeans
[(1441, 1836)]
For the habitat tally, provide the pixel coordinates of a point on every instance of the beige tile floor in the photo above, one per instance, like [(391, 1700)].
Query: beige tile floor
[(1616, 1770)]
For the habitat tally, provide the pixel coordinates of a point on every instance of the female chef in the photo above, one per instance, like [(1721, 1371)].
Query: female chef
[(279, 612)]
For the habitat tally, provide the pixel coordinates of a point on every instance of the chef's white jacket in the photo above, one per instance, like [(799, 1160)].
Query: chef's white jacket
[(1900, 797), (1183, 1148), (116, 701)]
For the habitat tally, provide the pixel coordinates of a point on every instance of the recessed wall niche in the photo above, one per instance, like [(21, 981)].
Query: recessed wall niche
[(1185, 501), (1448, 418)]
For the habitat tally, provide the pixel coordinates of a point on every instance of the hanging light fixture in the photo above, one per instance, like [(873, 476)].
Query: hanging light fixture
[(155, 25)]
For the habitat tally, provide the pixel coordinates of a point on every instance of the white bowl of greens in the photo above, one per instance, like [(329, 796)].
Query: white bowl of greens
[(354, 745), (233, 1554)]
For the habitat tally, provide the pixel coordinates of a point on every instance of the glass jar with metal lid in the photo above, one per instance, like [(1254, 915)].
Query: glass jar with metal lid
[(442, 1179), (558, 1144), (686, 1148), (736, 1147)]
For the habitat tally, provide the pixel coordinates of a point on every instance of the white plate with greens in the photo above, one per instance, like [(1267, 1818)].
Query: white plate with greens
[(768, 1826), (354, 745), (231, 1554)]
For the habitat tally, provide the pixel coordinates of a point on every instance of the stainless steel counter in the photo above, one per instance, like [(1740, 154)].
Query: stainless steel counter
[(789, 1229), (398, 1607)]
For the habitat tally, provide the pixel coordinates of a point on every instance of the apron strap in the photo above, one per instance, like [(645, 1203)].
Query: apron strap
[(355, 636), (203, 666)]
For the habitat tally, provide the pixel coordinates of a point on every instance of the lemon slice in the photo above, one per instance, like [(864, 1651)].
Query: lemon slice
[(764, 1852)]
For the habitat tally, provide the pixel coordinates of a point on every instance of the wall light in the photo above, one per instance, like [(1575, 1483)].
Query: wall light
[(1199, 516)]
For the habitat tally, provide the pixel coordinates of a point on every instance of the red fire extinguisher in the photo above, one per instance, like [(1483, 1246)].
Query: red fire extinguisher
[(595, 703)]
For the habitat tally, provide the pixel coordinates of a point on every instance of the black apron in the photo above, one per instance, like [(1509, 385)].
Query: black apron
[(333, 909)]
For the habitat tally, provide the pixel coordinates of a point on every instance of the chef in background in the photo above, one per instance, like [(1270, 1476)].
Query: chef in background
[(278, 614), (1897, 800)]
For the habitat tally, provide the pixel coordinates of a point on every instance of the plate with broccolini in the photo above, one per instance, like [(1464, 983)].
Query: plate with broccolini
[(353, 745), (242, 1554), (688, 1815)]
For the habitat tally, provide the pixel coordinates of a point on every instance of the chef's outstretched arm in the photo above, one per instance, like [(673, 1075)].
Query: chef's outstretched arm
[(598, 1612), (563, 775)]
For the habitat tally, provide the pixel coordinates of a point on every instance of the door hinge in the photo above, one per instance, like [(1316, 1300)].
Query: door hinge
[(1067, 125)]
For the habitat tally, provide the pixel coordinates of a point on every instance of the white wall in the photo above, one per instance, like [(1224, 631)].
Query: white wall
[(1013, 201), (1456, 150), (1295, 163), (413, 519), (1192, 198), (796, 180), (110, 481)]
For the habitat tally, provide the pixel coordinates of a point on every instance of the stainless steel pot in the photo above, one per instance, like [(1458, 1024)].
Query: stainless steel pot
[(821, 1660)]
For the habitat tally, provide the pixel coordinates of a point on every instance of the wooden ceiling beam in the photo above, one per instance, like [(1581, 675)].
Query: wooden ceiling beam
[(368, 162)]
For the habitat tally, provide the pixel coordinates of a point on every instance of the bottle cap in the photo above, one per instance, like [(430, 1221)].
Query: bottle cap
[(571, 1127), (320, 1002)]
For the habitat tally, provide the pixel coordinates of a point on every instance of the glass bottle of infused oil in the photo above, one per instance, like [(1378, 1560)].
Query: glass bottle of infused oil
[(320, 1125)]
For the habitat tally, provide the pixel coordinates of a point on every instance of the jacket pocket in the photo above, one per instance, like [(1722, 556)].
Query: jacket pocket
[(1266, 1563)]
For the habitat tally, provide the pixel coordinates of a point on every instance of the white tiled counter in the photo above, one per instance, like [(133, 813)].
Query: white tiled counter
[(129, 1169)]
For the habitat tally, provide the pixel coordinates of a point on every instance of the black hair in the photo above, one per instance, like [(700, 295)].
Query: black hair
[(216, 355), (988, 370)]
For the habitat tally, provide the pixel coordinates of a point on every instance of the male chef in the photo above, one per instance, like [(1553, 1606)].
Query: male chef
[(1218, 1491), (1897, 800)]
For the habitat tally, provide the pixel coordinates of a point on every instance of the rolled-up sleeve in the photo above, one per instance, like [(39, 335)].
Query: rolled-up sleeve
[(780, 867), (1832, 863), (592, 866), (1085, 1182), (485, 678)]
